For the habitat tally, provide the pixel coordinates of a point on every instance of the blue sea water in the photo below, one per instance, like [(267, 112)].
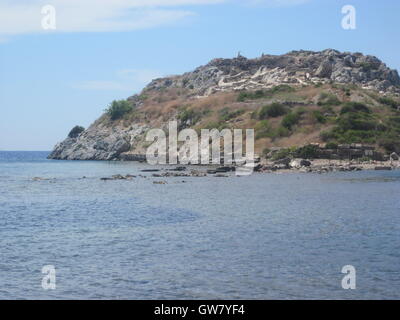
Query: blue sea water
[(266, 236)]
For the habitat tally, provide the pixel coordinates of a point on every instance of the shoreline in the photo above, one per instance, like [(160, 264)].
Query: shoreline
[(326, 165), (317, 166)]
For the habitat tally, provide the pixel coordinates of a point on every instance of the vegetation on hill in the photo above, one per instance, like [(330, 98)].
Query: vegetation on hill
[(118, 108), (282, 116), (259, 94)]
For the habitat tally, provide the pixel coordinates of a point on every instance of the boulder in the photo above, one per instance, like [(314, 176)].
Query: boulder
[(305, 163), (394, 156), (383, 168), (298, 163), (324, 70), (295, 164), (121, 146), (285, 161)]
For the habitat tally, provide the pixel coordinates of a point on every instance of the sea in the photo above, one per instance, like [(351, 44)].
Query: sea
[(263, 236)]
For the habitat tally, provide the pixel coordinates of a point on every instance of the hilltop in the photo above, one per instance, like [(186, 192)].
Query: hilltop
[(291, 100)]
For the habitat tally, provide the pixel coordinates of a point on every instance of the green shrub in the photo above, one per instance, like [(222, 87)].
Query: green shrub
[(328, 99), (365, 159), (189, 115), (391, 142), (259, 94), (273, 110), (76, 131), (318, 116), (283, 153), (215, 125), (300, 111), (354, 107), (262, 129), (357, 121), (331, 145), (356, 136), (307, 152), (118, 109), (279, 132), (389, 102), (249, 95), (290, 120), (394, 121), (226, 114), (328, 135)]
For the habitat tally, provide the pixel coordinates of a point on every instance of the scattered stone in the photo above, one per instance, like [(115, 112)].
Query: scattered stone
[(40, 179), (159, 182), (225, 169), (178, 169), (285, 161), (383, 168), (118, 177), (196, 173), (305, 163)]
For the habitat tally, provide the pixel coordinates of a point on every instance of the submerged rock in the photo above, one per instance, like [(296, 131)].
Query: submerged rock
[(383, 168), (159, 182)]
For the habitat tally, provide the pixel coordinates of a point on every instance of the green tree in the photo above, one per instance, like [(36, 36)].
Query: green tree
[(272, 110), (118, 108)]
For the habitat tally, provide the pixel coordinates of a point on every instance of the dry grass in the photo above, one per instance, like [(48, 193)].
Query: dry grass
[(161, 106)]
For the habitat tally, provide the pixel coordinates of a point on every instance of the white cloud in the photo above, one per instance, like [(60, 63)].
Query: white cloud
[(93, 15), (24, 16), (274, 3), (124, 80)]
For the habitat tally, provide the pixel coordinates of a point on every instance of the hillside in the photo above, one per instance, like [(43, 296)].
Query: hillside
[(290, 100)]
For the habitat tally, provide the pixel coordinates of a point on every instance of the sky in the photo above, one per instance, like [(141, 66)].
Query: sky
[(102, 50)]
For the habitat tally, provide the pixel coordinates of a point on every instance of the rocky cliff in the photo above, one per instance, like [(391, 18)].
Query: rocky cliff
[(296, 67), (230, 93)]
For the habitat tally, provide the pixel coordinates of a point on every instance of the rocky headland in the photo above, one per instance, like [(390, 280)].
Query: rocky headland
[(332, 106)]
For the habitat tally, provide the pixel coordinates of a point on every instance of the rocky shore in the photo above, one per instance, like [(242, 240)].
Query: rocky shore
[(319, 166), (325, 166), (296, 165)]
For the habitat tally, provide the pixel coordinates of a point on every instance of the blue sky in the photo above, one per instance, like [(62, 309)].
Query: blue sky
[(104, 50)]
